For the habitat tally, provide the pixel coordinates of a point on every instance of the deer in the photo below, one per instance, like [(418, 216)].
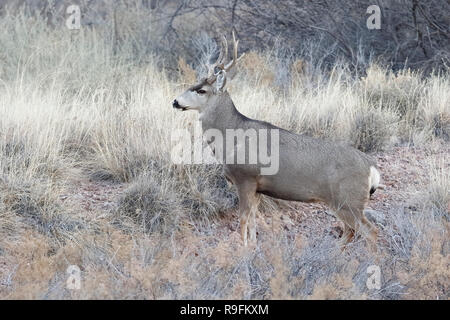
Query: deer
[(310, 169)]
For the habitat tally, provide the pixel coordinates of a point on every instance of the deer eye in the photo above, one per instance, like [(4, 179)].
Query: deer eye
[(201, 91)]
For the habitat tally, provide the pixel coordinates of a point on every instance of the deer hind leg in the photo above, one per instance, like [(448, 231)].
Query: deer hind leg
[(355, 221), (370, 232), (347, 236), (247, 200)]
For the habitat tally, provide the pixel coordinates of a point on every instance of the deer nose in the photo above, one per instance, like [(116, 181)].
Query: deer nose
[(175, 104)]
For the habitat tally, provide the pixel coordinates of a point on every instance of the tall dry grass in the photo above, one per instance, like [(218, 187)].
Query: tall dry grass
[(74, 109)]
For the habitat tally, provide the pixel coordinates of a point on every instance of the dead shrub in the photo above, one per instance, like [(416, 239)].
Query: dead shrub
[(441, 125), (36, 204), (257, 67), (157, 201), (399, 92), (151, 203), (205, 192), (187, 74), (439, 189), (373, 129)]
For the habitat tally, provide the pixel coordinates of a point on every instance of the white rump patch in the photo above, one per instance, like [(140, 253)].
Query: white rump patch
[(374, 178)]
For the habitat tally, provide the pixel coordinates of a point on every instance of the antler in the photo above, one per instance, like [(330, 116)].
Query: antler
[(220, 62), (235, 57)]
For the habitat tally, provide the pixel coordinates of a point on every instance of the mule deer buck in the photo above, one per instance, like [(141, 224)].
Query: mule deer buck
[(310, 169)]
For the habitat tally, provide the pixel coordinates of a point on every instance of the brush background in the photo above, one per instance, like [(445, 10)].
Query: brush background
[(85, 141)]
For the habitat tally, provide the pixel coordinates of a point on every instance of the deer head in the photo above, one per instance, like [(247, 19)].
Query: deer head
[(203, 94)]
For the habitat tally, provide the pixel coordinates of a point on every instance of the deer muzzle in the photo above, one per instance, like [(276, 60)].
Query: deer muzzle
[(176, 105)]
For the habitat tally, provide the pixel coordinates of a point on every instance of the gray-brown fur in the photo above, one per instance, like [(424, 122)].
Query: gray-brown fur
[(310, 169)]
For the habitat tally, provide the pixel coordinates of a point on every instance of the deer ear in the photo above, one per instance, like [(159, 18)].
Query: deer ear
[(221, 80)]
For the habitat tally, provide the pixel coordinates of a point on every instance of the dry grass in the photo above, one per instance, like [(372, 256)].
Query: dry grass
[(72, 111)]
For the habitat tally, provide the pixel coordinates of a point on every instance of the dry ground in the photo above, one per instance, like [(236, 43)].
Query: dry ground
[(405, 170)]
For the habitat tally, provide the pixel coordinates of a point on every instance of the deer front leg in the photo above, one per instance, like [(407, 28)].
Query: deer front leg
[(251, 226), (244, 223), (247, 195), (245, 212), (254, 202)]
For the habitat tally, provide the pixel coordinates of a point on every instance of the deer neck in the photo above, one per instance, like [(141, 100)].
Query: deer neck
[(221, 115)]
